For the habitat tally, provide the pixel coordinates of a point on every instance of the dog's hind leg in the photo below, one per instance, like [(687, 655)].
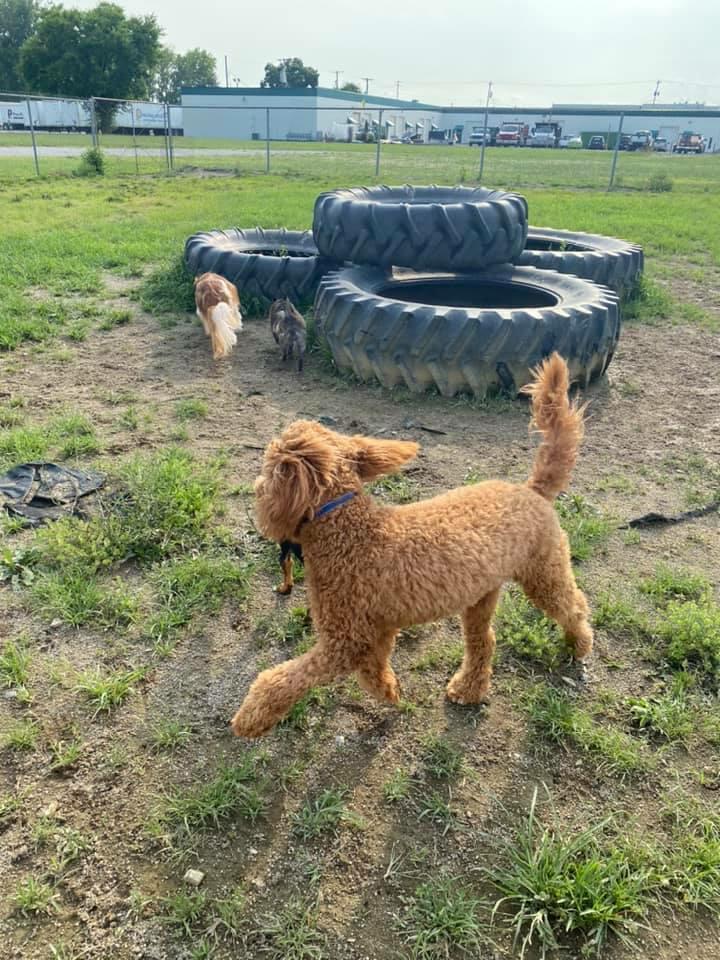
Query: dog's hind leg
[(550, 584), (471, 684), (375, 675)]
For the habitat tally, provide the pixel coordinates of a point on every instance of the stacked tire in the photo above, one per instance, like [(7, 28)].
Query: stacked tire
[(437, 287)]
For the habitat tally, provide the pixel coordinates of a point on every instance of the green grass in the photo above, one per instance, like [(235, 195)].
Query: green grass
[(14, 664), (115, 318), (21, 735), (690, 634), (440, 758), (165, 507), (22, 444), (522, 628), (554, 716), (396, 487), (291, 933), (65, 754), (666, 717), (184, 910), (34, 897), (229, 793), (397, 786), (302, 712), (185, 587), (668, 584), (121, 222), (104, 692), (191, 409), (433, 807), (619, 615), (321, 815), (558, 885), (292, 626), (440, 918), (78, 599), (586, 527), (169, 736)]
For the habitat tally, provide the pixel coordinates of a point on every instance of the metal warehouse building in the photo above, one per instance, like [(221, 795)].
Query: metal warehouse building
[(253, 113)]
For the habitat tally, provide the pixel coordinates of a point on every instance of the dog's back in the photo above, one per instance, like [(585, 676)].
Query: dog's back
[(218, 306), (287, 326)]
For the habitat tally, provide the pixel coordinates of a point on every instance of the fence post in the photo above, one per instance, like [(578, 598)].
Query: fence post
[(171, 141), (377, 146), (137, 164), (615, 153), (32, 134), (93, 122), (485, 133), (267, 139), (166, 111)]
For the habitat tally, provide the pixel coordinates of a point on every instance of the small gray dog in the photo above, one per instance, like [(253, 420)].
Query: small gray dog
[(287, 325)]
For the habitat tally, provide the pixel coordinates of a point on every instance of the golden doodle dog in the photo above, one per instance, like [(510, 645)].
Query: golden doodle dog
[(373, 570), (218, 306)]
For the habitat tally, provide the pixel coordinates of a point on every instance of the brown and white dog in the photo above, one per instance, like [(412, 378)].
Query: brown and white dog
[(218, 306), (287, 326)]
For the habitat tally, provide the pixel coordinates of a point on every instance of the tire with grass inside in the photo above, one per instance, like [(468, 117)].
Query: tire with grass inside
[(480, 333), (607, 260), (425, 228), (261, 263)]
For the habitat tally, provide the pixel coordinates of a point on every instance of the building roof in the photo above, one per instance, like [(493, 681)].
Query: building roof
[(369, 100), (347, 96)]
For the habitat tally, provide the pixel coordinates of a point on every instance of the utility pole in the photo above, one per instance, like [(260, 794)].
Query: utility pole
[(656, 94), (337, 78), (367, 81), (227, 76), (485, 132), (397, 89)]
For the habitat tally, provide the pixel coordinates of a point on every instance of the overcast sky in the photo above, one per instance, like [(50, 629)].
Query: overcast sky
[(535, 51)]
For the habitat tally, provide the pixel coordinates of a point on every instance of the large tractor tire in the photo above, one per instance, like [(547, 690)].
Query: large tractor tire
[(261, 263), (425, 228), (606, 260), (479, 333)]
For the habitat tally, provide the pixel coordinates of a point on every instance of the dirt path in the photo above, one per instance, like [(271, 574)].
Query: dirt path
[(652, 425)]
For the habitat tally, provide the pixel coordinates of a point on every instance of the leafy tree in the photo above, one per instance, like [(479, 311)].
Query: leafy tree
[(351, 87), (196, 68), (296, 73), (93, 53), (17, 23), (165, 80)]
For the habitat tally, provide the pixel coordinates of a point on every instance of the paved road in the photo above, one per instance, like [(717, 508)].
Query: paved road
[(153, 152)]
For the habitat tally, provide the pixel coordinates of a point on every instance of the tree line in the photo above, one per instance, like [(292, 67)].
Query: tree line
[(60, 51)]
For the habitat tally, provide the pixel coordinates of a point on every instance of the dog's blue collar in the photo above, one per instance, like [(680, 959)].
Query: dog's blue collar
[(333, 504)]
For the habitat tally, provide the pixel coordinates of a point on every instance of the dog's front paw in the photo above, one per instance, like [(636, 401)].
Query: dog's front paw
[(250, 723), (463, 691)]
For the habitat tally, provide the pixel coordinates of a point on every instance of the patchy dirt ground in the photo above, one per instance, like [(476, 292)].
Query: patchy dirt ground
[(653, 434)]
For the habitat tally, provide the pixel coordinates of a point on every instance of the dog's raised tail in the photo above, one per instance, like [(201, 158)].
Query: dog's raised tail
[(224, 321), (561, 424)]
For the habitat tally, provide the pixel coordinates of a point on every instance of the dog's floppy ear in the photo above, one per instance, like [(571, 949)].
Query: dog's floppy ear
[(377, 457), (297, 471)]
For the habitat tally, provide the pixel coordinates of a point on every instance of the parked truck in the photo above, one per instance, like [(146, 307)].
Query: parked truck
[(513, 135), (546, 135), (480, 134), (689, 142), (641, 140)]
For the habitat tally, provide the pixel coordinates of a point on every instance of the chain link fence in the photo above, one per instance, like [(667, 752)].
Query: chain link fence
[(401, 142)]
